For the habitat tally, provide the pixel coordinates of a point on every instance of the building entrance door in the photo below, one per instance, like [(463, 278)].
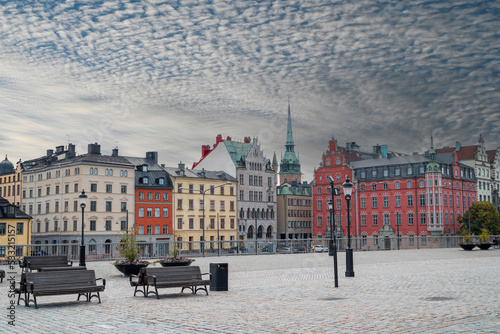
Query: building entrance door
[(387, 243)]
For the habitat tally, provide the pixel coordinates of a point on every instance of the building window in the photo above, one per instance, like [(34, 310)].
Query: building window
[(374, 219), (222, 206), (123, 206), (157, 212), (108, 225), (141, 195), (421, 184), (320, 221), (149, 229), (150, 196), (191, 204), (231, 206), (387, 219), (149, 212), (93, 187), (363, 220), (109, 188), (398, 218), (165, 212), (179, 204), (320, 205), (165, 229), (157, 196), (19, 228), (363, 203), (141, 229), (375, 239), (422, 199), (92, 225), (108, 206), (422, 218), (141, 212), (398, 200), (123, 225), (165, 196), (386, 201), (374, 202), (408, 185), (212, 205), (410, 218), (191, 223), (123, 189), (242, 179)]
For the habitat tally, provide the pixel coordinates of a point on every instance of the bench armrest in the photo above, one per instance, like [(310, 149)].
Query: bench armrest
[(31, 287), (103, 281), (209, 274), (131, 277)]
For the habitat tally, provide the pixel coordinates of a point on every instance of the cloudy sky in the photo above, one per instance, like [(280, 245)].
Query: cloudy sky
[(171, 75)]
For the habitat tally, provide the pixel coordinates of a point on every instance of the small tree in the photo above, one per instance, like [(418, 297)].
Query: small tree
[(128, 247), (482, 216)]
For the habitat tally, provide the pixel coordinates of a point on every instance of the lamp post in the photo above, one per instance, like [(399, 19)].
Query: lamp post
[(203, 199), (83, 203), (349, 272), (333, 241), (468, 202)]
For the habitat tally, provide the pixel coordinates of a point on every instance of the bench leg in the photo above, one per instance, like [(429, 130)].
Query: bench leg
[(90, 296), (204, 289), (188, 287), (83, 294), (152, 292), (143, 291)]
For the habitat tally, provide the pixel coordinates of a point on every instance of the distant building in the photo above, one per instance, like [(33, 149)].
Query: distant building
[(201, 193), (51, 188), (294, 198), (153, 203), (407, 195), (10, 181), (14, 231), (486, 165), (256, 177)]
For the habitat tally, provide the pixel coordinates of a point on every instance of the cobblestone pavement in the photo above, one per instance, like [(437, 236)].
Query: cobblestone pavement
[(407, 291)]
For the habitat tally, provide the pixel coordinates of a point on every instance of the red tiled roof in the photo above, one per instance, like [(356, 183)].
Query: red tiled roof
[(491, 155), (465, 152)]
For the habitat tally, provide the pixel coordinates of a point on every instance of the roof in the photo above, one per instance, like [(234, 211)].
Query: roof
[(199, 174), (491, 155), (152, 165), (97, 159), (400, 160), (6, 167), (464, 153), (237, 150), (8, 210)]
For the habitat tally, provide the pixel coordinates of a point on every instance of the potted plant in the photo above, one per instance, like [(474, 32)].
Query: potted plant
[(467, 243), (483, 243), (175, 260), (129, 249)]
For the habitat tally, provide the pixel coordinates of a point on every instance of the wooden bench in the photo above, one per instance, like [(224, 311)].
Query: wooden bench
[(51, 283), (185, 277), (40, 262)]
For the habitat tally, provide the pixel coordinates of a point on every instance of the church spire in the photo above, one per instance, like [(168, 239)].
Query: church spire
[(289, 134)]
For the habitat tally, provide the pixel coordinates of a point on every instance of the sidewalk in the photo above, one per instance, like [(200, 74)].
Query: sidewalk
[(407, 291)]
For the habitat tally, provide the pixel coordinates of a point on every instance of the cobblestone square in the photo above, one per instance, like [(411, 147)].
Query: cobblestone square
[(407, 291)]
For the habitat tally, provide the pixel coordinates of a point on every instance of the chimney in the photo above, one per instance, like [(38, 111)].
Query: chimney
[(71, 151), (181, 166), (114, 152), (384, 150), (153, 156), (50, 152), (247, 140), (458, 146), (59, 149), (94, 148), (218, 139), (205, 149)]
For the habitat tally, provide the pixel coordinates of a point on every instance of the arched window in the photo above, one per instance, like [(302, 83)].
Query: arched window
[(269, 233), (250, 232), (259, 232)]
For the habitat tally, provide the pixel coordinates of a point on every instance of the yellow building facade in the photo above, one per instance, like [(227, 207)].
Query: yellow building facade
[(204, 208), (10, 182), (15, 232)]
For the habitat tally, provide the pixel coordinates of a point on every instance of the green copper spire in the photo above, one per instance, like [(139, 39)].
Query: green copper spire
[(289, 162), (432, 166)]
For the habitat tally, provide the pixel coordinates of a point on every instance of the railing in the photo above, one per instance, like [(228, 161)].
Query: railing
[(154, 250)]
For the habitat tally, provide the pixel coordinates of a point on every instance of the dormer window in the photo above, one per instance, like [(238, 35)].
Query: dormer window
[(144, 180), (161, 181), (144, 168)]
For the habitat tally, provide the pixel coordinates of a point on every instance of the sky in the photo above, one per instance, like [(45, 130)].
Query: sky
[(169, 76)]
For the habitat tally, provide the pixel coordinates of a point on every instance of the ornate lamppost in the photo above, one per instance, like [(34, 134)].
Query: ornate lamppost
[(83, 203), (347, 186), (333, 239)]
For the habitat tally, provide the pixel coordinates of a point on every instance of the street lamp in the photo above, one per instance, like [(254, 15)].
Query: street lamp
[(333, 241), (349, 272), (468, 202), (83, 203), (203, 193)]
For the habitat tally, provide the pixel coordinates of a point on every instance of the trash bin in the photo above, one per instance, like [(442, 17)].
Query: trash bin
[(219, 273)]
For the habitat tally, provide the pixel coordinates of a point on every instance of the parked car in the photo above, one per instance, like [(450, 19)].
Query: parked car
[(300, 249), (285, 250), (235, 249), (320, 248)]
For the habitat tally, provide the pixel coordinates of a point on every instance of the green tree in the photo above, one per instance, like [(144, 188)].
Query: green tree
[(482, 216)]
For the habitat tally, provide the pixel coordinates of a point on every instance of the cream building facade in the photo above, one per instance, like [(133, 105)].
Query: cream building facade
[(217, 208), (50, 193)]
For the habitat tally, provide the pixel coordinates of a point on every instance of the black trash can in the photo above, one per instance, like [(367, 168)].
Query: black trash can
[(219, 273)]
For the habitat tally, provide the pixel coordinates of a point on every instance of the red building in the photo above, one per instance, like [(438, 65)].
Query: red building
[(153, 198), (410, 196)]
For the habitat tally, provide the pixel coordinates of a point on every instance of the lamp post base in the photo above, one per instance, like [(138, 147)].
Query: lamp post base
[(82, 256), (349, 271)]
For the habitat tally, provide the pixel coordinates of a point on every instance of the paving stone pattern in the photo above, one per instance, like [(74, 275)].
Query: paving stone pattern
[(407, 291)]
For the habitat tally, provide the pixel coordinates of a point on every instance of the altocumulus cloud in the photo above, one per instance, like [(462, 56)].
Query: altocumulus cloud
[(170, 75)]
